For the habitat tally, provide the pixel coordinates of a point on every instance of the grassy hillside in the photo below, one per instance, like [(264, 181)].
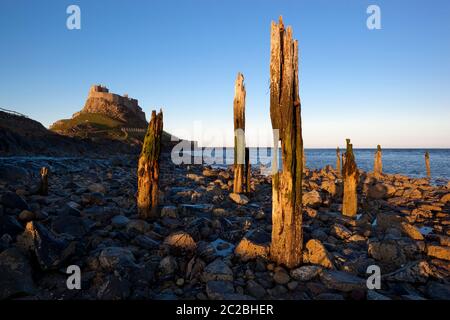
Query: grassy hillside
[(94, 125)]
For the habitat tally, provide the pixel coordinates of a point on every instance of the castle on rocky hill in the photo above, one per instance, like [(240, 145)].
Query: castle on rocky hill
[(115, 106)]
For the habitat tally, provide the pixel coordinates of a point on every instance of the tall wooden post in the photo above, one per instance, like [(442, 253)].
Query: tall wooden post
[(248, 171), (427, 164), (378, 163), (351, 175), (43, 186), (338, 161), (148, 169), (287, 236), (239, 134)]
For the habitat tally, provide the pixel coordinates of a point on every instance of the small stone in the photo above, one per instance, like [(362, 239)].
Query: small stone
[(168, 265), (281, 277), (138, 226), (340, 231), (305, 273), (255, 289), (169, 211), (113, 258), (145, 242), (439, 252), (438, 291), (217, 270), (312, 199), (97, 187), (180, 282), (342, 281), (120, 221), (412, 231), (317, 254), (218, 290), (239, 198), (292, 285), (26, 216), (445, 198), (247, 250), (181, 241)]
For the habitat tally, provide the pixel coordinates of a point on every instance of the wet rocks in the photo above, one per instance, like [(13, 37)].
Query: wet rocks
[(312, 199), (412, 231), (340, 231), (71, 225), (217, 270), (97, 188), (239, 198), (316, 253), (137, 226), (247, 250), (305, 273), (169, 211), (219, 290), (13, 201), (15, 275), (438, 291), (116, 258), (255, 289), (12, 174), (281, 277), (342, 281), (445, 198), (168, 265), (9, 225), (388, 253), (380, 191), (180, 241), (120, 221), (439, 252), (49, 250)]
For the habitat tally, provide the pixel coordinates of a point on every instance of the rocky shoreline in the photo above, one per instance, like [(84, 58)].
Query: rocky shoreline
[(210, 243)]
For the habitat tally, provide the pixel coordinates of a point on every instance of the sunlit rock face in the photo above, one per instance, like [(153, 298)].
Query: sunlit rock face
[(115, 106)]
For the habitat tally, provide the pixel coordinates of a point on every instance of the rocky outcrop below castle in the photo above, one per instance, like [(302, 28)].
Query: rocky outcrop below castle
[(117, 107)]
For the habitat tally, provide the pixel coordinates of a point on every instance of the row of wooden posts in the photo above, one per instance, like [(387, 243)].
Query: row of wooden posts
[(285, 113)]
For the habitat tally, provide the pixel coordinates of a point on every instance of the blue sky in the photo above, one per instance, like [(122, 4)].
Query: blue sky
[(388, 86)]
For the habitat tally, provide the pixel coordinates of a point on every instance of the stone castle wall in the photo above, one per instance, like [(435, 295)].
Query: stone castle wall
[(123, 108)]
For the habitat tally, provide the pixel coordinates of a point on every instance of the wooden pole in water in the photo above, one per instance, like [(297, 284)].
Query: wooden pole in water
[(427, 164), (287, 236), (148, 169), (43, 187), (338, 161), (351, 175), (239, 134), (378, 163)]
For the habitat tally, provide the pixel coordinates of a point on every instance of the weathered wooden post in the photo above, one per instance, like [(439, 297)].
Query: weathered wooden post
[(43, 186), (338, 161), (148, 168), (378, 163), (239, 134), (350, 175), (248, 171), (303, 159), (287, 236), (427, 164)]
